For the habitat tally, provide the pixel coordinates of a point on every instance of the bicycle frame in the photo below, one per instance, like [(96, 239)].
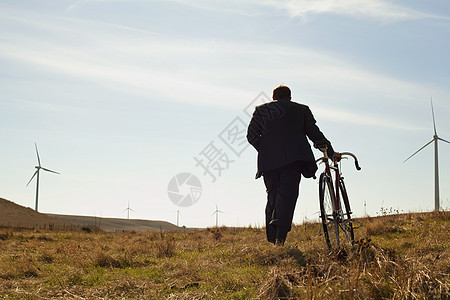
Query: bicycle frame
[(337, 175), (338, 219)]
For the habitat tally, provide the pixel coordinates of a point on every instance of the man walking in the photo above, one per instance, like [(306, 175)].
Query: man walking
[(278, 130)]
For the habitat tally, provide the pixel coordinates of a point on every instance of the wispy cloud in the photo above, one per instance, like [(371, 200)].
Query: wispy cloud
[(243, 7), (77, 3), (133, 80), (240, 7), (375, 9), (349, 117)]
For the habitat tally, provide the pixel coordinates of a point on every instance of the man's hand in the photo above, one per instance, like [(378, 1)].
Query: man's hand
[(337, 156)]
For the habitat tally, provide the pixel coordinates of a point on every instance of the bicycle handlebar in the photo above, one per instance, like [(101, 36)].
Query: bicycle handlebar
[(354, 157), (342, 154)]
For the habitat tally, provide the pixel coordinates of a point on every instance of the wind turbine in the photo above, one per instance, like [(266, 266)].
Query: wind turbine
[(217, 211), (128, 210), (435, 139), (38, 168)]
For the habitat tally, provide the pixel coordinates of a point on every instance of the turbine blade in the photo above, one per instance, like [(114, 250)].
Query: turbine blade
[(432, 111), (443, 140), (49, 170), (37, 153), (32, 176), (419, 150)]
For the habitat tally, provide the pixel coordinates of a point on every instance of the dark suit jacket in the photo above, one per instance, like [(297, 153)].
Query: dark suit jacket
[(278, 130)]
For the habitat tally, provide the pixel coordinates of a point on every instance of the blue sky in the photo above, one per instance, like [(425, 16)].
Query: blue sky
[(120, 96)]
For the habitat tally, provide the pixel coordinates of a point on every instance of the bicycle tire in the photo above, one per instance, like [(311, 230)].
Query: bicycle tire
[(347, 224), (329, 222)]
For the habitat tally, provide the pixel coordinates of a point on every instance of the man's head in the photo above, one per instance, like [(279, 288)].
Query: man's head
[(282, 93)]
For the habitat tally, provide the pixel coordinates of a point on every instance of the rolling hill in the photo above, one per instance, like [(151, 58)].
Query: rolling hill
[(17, 216), (116, 224)]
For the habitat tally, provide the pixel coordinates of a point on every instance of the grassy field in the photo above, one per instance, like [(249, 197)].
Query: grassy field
[(403, 256)]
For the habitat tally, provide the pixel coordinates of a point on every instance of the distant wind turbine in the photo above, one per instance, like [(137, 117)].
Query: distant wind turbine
[(128, 210), (217, 211), (38, 168), (436, 161)]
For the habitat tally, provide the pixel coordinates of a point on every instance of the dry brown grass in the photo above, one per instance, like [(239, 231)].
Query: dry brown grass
[(395, 257)]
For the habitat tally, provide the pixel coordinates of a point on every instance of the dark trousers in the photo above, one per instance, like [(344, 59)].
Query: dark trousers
[(282, 187)]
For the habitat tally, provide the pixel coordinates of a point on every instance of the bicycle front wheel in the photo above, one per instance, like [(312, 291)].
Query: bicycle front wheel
[(330, 222)]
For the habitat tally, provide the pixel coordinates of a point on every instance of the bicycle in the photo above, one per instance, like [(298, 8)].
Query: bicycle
[(332, 193)]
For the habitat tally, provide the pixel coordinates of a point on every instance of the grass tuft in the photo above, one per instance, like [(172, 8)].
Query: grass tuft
[(165, 248), (104, 260), (277, 285)]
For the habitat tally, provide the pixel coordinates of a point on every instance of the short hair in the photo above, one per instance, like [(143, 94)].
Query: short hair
[(282, 92)]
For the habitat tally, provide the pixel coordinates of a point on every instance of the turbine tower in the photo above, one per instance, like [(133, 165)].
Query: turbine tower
[(435, 139), (38, 168), (217, 211)]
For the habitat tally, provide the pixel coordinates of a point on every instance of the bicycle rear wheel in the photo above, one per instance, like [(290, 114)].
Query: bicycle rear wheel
[(347, 223), (329, 221)]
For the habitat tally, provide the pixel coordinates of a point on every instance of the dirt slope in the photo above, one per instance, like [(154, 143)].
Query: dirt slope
[(14, 215)]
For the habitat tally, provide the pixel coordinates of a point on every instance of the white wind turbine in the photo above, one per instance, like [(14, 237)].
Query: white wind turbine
[(38, 168), (435, 139), (217, 211), (128, 210)]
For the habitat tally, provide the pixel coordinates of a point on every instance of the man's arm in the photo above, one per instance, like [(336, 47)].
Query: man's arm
[(315, 135), (255, 129)]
